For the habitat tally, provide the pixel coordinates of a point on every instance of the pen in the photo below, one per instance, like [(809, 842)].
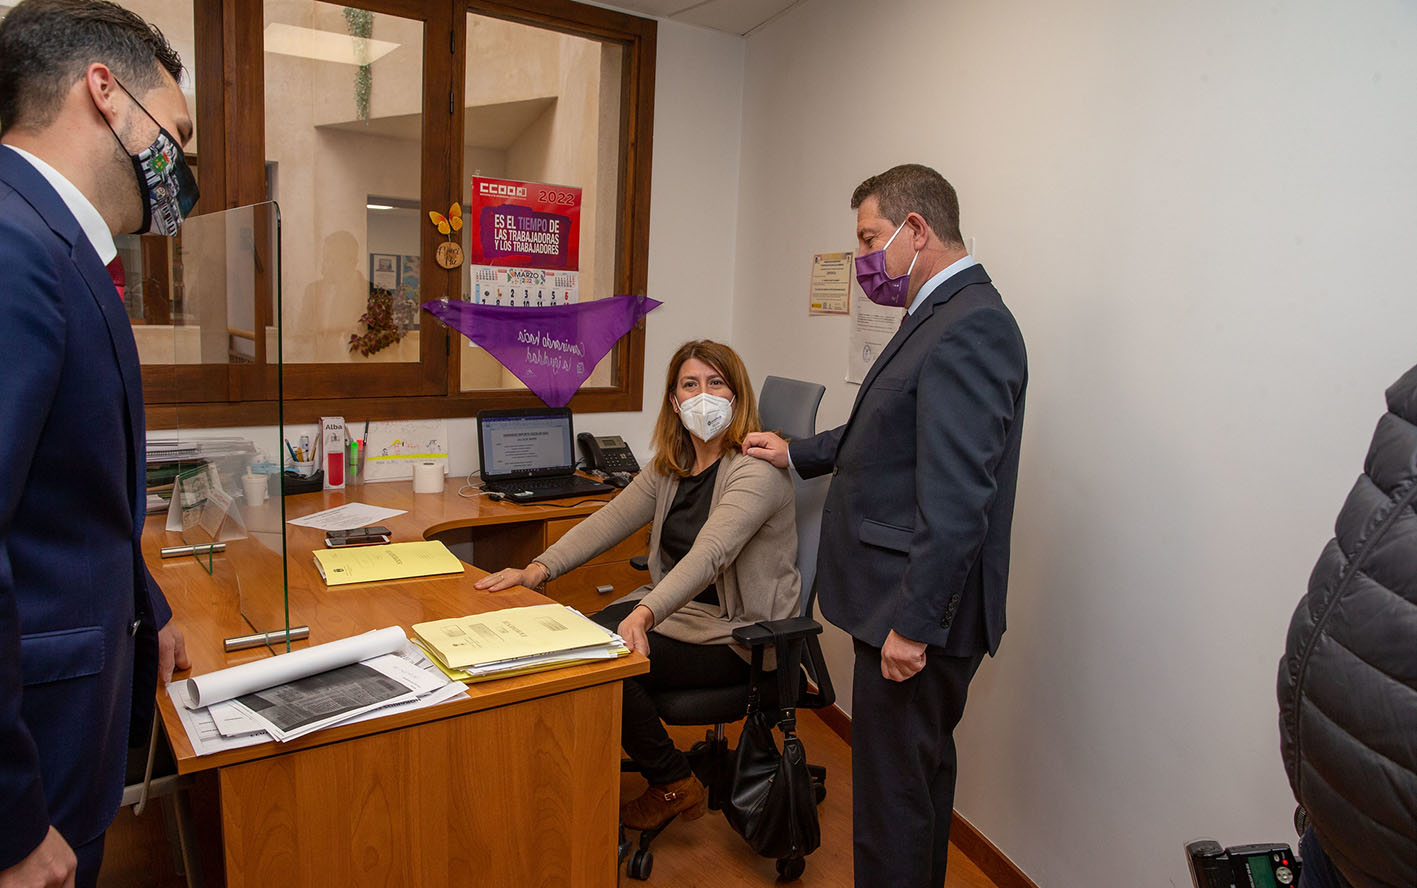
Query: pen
[(293, 455)]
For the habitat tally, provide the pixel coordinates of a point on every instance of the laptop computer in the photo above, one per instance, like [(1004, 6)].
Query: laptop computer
[(528, 455)]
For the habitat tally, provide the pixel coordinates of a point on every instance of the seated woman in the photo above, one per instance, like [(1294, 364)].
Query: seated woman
[(723, 554)]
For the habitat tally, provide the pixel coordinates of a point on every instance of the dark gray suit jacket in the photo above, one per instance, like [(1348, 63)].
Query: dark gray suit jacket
[(915, 531)]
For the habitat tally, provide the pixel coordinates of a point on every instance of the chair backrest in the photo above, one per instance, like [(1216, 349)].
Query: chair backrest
[(789, 407)]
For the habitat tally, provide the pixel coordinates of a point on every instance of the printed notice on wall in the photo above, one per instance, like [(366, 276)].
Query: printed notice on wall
[(830, 292), (872, 326)]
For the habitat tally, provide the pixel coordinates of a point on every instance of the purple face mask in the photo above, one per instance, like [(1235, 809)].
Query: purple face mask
[(878, 286)]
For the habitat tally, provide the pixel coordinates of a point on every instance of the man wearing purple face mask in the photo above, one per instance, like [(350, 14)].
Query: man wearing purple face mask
[(914, 553)]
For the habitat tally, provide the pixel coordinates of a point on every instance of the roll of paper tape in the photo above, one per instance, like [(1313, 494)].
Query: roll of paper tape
[(427, 477)]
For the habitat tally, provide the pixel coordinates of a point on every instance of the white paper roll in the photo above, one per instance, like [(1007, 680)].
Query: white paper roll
[(224, 684), (427, 477)]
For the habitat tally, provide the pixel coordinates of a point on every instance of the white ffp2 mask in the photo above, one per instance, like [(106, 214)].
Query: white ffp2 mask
[(705, 415)]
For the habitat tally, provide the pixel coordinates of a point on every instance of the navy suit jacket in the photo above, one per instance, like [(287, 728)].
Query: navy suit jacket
[(73, 673), (915, 530)]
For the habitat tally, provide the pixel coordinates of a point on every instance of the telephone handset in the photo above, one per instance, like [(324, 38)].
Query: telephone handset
[(607, 453)]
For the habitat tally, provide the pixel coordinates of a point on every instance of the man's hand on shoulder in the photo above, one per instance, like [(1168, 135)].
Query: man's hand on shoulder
[(901, 658), (766, 446), (50, 865), (171, 651)]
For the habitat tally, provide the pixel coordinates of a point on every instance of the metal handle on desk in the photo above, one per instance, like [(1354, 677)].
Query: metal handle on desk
[(194, 549), (261, 639), (604, 590)]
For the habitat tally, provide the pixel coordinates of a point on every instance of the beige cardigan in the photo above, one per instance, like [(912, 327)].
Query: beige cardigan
[(747, 547)]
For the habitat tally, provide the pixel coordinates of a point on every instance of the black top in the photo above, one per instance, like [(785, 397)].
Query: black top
[(685, 518)]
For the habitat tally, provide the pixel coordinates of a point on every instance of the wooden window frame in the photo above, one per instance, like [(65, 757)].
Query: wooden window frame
[(229, 69)]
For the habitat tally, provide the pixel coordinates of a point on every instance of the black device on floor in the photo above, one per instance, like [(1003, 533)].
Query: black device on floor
[(1241, 866), (527, 455)]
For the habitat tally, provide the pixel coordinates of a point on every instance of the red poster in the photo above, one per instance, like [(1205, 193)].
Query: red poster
[(525, 225)]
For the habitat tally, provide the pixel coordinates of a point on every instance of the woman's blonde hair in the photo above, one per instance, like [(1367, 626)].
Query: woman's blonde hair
[(673, 446)]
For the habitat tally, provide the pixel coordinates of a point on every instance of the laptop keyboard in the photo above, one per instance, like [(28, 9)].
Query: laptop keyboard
[(571, 485)]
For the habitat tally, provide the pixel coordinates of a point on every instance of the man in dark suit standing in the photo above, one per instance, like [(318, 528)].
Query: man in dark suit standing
[(89, 105), (914, 551)]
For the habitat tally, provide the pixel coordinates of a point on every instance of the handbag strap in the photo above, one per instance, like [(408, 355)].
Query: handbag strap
[(754, 694), (789, 667)]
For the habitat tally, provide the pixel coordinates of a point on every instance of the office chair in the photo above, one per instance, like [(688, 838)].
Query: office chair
[(789, 407), (141, 784)]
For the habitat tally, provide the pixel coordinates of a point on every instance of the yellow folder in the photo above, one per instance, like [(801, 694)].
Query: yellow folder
[(507, 635), (396, 561)]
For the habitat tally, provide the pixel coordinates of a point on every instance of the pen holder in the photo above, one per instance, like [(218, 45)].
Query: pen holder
[(354, 468), (305, 469)]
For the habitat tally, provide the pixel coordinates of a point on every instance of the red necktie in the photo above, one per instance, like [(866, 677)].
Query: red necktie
[(115, 270)]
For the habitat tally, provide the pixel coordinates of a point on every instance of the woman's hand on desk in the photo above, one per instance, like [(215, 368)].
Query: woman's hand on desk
[(635, 628), (533, 576)]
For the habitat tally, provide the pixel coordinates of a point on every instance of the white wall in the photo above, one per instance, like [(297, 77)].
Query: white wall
[(1200, 214)]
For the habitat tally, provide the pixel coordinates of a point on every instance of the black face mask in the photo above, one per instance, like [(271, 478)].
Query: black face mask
[(166, 187)]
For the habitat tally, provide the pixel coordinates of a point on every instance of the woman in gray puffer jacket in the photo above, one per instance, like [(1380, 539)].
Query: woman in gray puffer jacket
[(1348, 680)]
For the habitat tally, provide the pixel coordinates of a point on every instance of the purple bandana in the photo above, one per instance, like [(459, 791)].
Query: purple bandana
[(552, 349)]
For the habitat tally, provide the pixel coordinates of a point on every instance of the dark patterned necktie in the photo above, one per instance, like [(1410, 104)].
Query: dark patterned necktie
[(115, 270)]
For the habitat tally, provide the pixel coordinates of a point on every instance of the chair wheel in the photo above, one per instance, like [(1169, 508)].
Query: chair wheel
[(790, 869), (641, 862)]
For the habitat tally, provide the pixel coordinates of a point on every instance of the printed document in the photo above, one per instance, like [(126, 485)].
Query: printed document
[(500, 636)]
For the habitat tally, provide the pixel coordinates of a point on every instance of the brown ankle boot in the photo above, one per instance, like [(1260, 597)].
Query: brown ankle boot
[(658, 804)]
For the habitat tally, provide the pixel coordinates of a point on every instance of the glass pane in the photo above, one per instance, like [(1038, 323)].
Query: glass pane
[(544, 108), (223, 486), (344, 124), (153, 284)]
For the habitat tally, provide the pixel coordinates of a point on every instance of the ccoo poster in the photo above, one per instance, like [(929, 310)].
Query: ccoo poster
[(524, 243)]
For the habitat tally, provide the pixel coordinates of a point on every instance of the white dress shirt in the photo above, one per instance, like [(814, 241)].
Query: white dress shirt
[(939, 278)]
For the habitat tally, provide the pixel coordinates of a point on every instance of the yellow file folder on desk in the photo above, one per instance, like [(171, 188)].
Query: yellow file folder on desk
[(396, 561), (527, 666), (510, 635)]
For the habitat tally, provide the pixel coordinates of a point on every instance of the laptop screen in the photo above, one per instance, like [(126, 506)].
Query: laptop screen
[(525, 443)]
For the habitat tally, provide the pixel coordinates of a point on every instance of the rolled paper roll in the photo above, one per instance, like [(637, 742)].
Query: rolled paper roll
[(427, 477)]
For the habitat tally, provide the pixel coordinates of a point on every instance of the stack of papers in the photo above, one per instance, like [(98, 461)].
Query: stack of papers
[(171, 450), (515, 641), (293, 694)]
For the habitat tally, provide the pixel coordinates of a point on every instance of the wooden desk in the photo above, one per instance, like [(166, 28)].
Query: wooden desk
[(515, 784)]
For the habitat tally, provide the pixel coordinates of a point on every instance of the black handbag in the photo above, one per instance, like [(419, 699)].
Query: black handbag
[(771, 800)]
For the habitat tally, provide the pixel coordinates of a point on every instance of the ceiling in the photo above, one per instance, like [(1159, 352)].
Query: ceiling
[(740, 17)]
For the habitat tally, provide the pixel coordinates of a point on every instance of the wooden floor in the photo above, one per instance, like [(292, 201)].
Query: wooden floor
[(705, 852)]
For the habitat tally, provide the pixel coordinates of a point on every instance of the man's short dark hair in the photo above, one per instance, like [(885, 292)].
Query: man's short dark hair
[(45, 45), (912, 188)]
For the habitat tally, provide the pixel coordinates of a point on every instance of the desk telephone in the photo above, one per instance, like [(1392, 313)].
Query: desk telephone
[(607, 453)]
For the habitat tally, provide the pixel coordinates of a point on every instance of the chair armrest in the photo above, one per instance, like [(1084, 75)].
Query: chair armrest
[(770, 631), (791, 638)]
